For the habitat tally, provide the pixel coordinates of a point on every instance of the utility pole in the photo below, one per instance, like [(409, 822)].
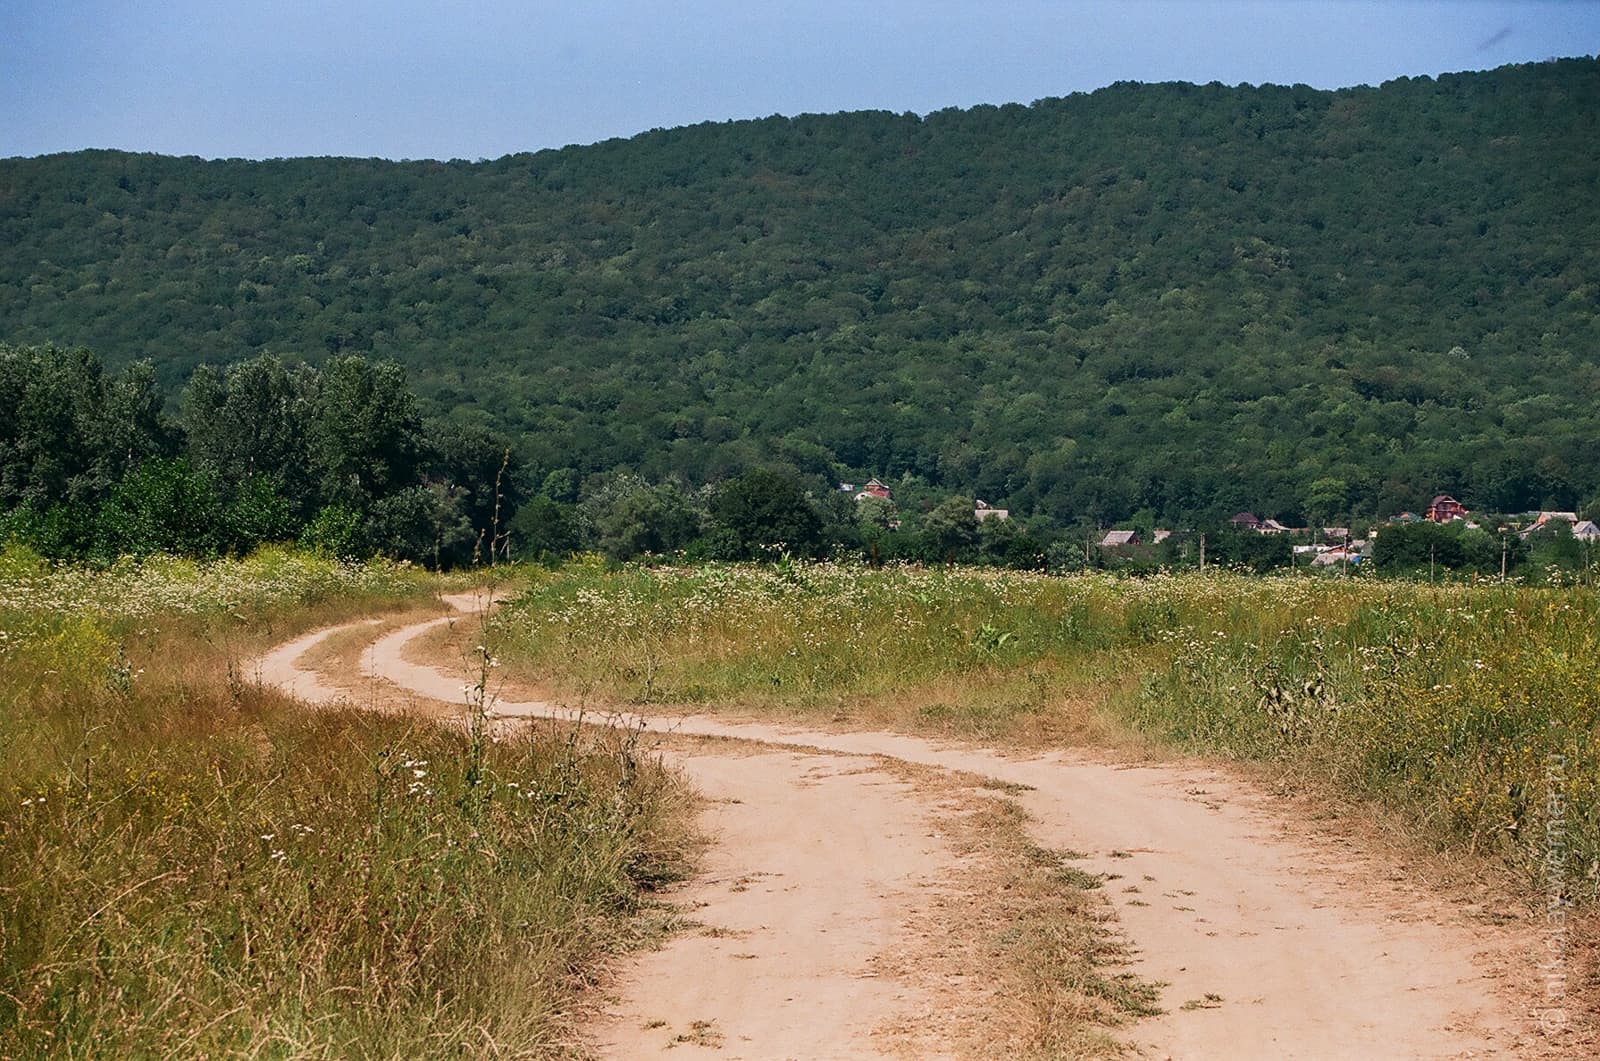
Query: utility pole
[(1431, 550), (1345, 557), (1505, 547), (1202, 550)]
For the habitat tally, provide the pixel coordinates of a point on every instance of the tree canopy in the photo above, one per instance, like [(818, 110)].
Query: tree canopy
[(339, 457), (1182, 300)]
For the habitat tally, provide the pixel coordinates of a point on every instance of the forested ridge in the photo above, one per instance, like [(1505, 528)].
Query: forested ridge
[(1171, 299)]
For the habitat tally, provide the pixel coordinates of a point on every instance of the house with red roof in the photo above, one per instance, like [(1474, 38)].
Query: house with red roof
[(1444, 508)]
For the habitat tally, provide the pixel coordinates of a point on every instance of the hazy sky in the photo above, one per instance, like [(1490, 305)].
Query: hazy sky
[(443, 79)]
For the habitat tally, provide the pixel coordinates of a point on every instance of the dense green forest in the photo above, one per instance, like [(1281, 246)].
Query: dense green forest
[(1155, 301), (341, 460)]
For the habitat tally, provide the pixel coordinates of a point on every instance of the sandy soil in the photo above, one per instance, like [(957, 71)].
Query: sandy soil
[(817, 866), (281, 666), (1306, 947)]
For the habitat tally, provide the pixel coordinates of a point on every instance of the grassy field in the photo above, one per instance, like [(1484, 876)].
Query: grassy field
[(1472, 712), (193, 867)]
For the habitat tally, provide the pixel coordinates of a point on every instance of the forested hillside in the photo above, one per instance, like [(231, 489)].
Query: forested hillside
[(1180, 299)]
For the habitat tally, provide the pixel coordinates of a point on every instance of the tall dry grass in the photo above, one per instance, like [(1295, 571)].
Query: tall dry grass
[(191, 866)]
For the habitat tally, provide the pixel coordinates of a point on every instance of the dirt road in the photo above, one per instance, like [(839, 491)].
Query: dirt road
[(1273, 942)]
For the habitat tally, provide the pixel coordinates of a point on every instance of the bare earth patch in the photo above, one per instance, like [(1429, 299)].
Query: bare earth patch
[(815, 870)]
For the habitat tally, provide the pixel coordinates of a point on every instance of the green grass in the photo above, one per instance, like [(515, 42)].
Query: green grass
[(1454, 705), (193, 867)]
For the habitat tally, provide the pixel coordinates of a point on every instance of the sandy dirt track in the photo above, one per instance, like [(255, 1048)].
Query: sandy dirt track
[(817, 866), (1315, 951)]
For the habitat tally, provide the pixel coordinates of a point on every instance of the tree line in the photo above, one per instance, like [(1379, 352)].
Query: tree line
[(340, 459)]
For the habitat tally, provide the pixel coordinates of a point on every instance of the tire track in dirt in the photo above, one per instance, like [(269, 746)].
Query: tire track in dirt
[(821, 864), (1311, 953)]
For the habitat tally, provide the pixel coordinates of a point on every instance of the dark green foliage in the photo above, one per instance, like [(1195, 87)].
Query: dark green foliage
[(546, 529), (1423, 548), (365, 433), (163, 506), (56, 531), (767, 513), (561, 485), (68, 431), (628, 517), (338, 457), (950, 531), (1555, 546), (1065, 555), (1246, 549), (1179, 299), (419, 521), (251, 424), (334, 531), (842, 526), (1005, 543), (475, 466), (258, 512)]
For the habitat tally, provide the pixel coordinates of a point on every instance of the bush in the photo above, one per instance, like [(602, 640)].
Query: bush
[(767, 513), (1426, 547), (165, 506), (334, 531), (257, 515)]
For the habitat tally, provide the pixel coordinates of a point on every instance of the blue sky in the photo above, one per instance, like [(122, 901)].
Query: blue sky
[(445, 79)]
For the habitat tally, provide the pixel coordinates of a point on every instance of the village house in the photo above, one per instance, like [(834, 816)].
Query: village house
[(874, 488), (983, 512), (1246, 521), (1444, 508), (1586, 531), (1549, 519), (1118, 538)]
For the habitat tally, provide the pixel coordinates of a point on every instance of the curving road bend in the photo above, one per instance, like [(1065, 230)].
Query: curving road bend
[(1316, 950)]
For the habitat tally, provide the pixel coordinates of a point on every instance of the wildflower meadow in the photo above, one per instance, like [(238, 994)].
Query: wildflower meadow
[(1446, 703)]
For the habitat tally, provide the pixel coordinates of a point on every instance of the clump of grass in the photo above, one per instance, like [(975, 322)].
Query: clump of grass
[(1061, 964), (193, 867)]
